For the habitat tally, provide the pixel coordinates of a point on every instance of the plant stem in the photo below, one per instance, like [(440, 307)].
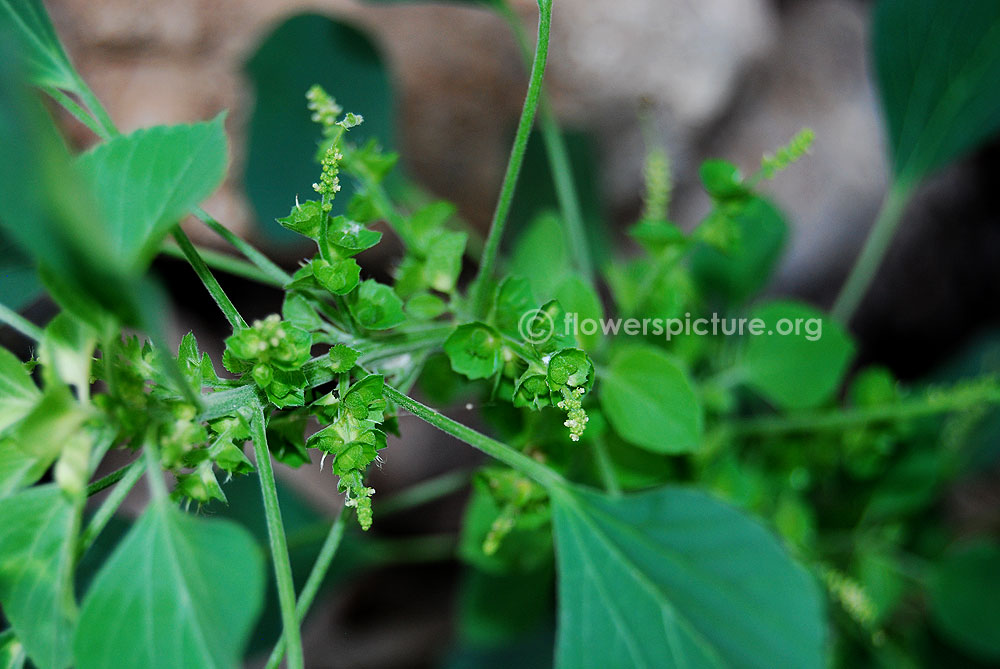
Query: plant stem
[(874, 250), (481, 287), (130, 476), (313, 583), (278, 276), (425, 491), (279, 545), (154, 474), (207, 278), (113, 478), (76, 111), (19, 323), (842, 419), (559, 163), (224, 262), (106, 127), (605, 467), (491, 447)]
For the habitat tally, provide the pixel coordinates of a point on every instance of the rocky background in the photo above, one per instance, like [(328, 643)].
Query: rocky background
[(726, 78)]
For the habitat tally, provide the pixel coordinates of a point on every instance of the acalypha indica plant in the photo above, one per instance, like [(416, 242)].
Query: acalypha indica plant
[(699, 497)]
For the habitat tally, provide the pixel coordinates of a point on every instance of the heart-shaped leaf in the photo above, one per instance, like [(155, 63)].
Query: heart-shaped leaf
[(37, 553), (938, 64), (179, 591), (675, 578), (147, 180)]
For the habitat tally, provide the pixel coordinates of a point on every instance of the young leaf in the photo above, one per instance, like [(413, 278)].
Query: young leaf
[(146, 181), (474, 350), (742, 272), (672, 578), (18, 392), (178, 591), (937, 65), (376, 306), (798, 369), (650, 402), (38, 44), (37, 553), (541, 255), (965, 599)]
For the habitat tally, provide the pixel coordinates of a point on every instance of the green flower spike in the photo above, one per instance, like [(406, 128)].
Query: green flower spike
[(329, 182), (576, 419)]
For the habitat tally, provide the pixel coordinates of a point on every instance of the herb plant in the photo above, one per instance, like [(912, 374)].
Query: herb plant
[(706, 500)]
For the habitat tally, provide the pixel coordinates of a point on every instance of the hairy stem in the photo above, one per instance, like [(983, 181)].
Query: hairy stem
[(559, 163), (224, 262), (130, 476), (207, 278), (279, 545), (313, 583), (874, 250), (277, 275), (491, 447), (843, 419), (13, 319), (481, 287)]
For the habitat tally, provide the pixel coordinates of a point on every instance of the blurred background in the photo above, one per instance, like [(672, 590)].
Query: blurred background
[(443, 84)]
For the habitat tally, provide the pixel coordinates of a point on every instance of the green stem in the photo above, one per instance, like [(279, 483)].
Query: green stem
[(313, 583), (224, 262), (277, 275), (874, 250), (482, 283), (491, 447), (154, 474), (207, 278), (843, 419), (558, 155), (113, 478), (76, 111), (279, 545), (19, 323), (605, 467), (130, 476), (106, 126), (425, 492)]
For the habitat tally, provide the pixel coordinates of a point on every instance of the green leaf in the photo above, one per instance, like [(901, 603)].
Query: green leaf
[(18, 469), (722, 180), (937, 64), (339, 277), (965, 599), (376, 306), (675, 578), (444, 260), (425, 306), (578, 297), (37, 553), (18, 393), (350, 238), (305, 50), (742, 272), (800, 369), (178, 591), (650, 402), (148, 180), (38, 45), (513, 300), (45, 208), (474, 350), (542, 256)]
